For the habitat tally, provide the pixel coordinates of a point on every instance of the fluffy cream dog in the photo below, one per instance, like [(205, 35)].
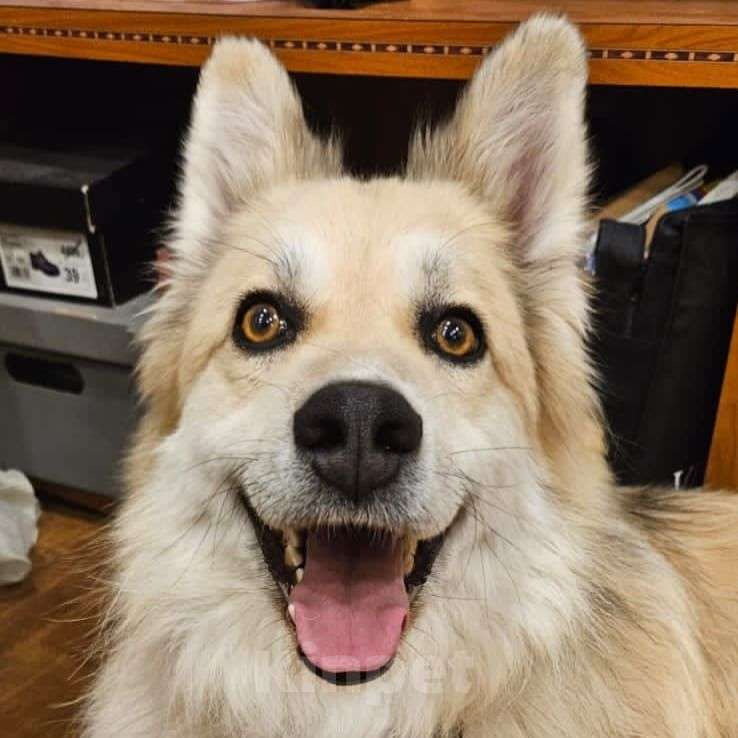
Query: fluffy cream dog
[(369, 496)]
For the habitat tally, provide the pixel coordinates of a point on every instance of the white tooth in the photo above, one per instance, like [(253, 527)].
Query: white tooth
[(291, 611), (299, 573), (291, 537), (293, 557)]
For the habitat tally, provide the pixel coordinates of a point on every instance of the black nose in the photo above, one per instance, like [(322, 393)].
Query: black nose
[(358, 435)]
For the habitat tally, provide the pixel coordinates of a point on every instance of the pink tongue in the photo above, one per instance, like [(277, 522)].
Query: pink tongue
[(351, 605)]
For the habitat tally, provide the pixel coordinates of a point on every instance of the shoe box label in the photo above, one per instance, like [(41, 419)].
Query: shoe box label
[(47, 261)]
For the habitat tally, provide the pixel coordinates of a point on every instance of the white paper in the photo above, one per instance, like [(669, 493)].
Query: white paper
[(19, 513), (726, 190)]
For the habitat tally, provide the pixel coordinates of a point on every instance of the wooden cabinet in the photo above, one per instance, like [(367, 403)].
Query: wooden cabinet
[(722, 470), (631, 42), (420, 48)]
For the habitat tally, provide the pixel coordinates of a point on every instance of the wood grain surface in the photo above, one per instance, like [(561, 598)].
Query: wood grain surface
[(45, 628), (704, 12), (722, 471), (660, 43)]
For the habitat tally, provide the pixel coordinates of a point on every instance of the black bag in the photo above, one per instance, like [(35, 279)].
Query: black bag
[(661, 337)]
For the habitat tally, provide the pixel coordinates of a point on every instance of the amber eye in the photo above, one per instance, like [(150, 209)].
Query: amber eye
[(456, 338), (266, 321), (262, 324)]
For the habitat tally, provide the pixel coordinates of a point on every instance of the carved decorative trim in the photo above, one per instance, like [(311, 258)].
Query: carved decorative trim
[(432, 49), (153, 38), (383, 48), (670, 55)]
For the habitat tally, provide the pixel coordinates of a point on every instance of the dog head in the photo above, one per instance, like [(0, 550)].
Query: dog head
[(369, 401)]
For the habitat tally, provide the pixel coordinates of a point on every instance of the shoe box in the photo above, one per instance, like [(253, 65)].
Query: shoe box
[(80, 223), (68, 404)]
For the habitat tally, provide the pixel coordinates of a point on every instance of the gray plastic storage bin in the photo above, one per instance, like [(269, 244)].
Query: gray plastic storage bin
[(67, 402), (63, 419)]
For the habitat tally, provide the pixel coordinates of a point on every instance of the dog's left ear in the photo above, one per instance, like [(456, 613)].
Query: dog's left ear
[(518, 138), (247, 132)]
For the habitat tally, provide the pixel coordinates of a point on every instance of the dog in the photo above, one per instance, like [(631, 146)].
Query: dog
[(369, 494)]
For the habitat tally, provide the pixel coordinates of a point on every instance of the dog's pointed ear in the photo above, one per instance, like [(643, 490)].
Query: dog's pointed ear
[(517, 137), (247, 131), (518, 140)]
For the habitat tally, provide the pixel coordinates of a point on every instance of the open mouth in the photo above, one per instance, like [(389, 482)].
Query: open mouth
[(348, 592)]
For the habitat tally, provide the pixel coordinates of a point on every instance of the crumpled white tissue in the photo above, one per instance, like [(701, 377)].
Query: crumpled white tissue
[(19, 513)]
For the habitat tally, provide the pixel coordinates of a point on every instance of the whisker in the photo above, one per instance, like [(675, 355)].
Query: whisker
[(490, 448)]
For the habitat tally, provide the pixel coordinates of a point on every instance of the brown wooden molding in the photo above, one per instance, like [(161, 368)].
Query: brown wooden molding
[(648, 54), (422, 49), (722, 469), (634, 12)]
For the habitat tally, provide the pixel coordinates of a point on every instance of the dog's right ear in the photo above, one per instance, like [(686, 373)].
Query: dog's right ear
[(248, 131)]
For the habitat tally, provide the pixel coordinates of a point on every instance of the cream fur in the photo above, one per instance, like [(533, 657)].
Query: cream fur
[(560, 606)]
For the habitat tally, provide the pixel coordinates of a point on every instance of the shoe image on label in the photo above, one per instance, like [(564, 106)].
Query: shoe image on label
[(47, 260), (40, 262)]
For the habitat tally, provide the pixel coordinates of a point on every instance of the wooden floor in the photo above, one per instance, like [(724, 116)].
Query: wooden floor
[(45, 629)]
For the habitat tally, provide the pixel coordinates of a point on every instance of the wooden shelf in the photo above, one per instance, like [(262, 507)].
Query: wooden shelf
[(679, 43), (722, 471)]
